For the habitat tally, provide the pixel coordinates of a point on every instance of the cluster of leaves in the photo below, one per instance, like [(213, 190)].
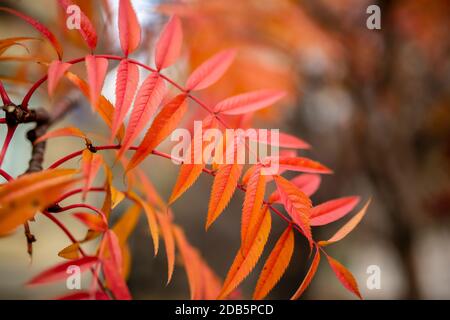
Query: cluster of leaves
[(23, 197)]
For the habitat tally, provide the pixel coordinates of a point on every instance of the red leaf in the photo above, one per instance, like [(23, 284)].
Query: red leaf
[(96, 71), (211, 70), (87, 29), (296, 203), (307, 183), (129, 28), (284, 141), (148, 98), (39, 27), (59, 272), (126, 85), (112, 268), (344, 276), (248, 102), (332, 210), (56, 71), (302, 165), (169, 44), (164, 123)]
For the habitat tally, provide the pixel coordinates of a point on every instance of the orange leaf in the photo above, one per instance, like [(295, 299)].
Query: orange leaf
[(296, 203), (253, 201), (96, 71), (302, 165), (189, 173), (347, 228), (62, 132), (169, 44), (307, 183), (191, 262), (344, 276), (225, 183), (148, 98), (276, 264), (126, 84), (332, 210), (90, 163), (59, 272), (71, 252), (243, 264), (165, 122), (39, 27), (169, 242), (56, 71), (87, 29), (248, 102), (104, 108), (21, 198), (210, 71), (151, 218), (92, 221), (129, 28), (309, 276)]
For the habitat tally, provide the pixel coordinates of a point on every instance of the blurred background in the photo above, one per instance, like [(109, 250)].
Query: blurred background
[(374, 105)]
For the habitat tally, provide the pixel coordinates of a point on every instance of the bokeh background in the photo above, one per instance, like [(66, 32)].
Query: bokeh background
[(374, 104)]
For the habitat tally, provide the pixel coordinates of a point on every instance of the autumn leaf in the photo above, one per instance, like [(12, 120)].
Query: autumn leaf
[(307, 183), (284, 140), (248, 102), (151, 218), (20, 199), (71, 252), (169, 44), (112, 196), (309, 276), (129, 28), (86, 29), (165, 122), (39, 27), (90, 165), (104, 108), (126, 84), (7, 43), (191, 170), (332, 210), (92, 221), (56, 71), (84, 295), (244, 264), (344, 276), (59, 272), (210, 71), (276, 264), (169, 242), (96, 71), (191, 264), (148, 98), (112, 268), (224, 186), (253, 201), (303, 165), (62, 132), (296, 203), (347, 228)]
